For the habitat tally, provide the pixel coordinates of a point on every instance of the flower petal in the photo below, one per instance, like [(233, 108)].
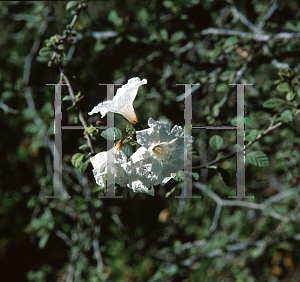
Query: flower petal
[(161, 155), (122, 102)]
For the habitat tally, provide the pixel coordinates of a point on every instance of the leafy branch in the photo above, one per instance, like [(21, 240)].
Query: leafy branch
[(271, 127)]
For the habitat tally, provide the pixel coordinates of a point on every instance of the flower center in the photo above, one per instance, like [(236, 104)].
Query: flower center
[(158, 150)]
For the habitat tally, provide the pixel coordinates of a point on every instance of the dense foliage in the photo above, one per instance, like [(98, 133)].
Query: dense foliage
[(144, 238)]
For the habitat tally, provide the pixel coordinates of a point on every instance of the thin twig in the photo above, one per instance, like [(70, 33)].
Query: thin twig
[(271, 127), (249, 35), (96, 247), (35, 48)]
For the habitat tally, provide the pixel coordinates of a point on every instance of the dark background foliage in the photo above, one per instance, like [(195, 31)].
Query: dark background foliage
[(144, 238)]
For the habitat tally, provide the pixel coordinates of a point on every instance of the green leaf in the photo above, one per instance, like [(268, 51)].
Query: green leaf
[(171, 192), (43, 240), (298, 92), (179, 176), (248, 122), (60, 47), (283, 87), (132, 38), (252, 135), (216, 142), (114, 18), (222, 87), (143, 15), (7, 94), (176, 36), (67, 98), (84, 148), (258, 158), (127, 150), (83, 166), (274, 103), (168, 4), (234, 122), (290, 96), (113, 131), (195, 175), (77, 159), (45, 51), (230, 41), (71, 4), (99, 46), (71, 107), (287, 116), (164, 34), (29, 113)]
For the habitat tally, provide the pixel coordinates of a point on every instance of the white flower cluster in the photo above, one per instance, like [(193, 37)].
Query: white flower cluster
[(159, 158)]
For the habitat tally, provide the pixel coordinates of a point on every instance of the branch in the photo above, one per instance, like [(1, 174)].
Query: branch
[(271, 127), (248, 35), (245, 21), (35, 48), (268, 14), (263, 206), (56, 57), (237, 248), (96, 247)]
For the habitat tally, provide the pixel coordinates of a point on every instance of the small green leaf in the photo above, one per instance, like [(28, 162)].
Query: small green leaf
[(287, 116), (7, 94), (277, 81), (114, 18), (230, 41), (234, 122), (283, 87), (84, 148), (67, 98), (216, 142), (43, 240), (171, 192), (29, 113), (290, 96), (195, 175), (222, 87), (71, 4), (164, 34), (45, 51), (168, 4), (77, 159), (127, 150), (298, 92), (258, 158), (83, 166), (132, 38), (60, 47), (129, 141), (248, 122), (252, 135), (179, 176), (274, 103), (71, 107), (176, 36), (113, 131), (99, 46)]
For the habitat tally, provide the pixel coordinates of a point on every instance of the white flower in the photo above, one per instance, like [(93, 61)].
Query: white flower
[(122, 103), (99, 163), (161, 154)]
